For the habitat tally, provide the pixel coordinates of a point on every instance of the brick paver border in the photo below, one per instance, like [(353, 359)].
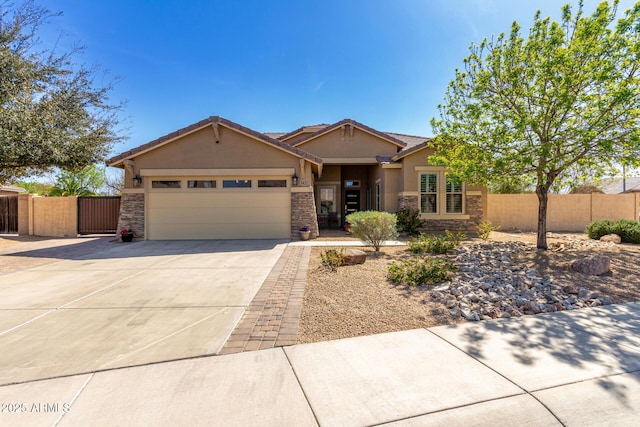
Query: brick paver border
[(273, 316)]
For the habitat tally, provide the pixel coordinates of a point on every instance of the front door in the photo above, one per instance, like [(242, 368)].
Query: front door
[(352, 201)]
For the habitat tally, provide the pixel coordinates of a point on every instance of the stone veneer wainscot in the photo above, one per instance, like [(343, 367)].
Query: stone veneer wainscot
[(132, 213), (473, 210), (303, 212)]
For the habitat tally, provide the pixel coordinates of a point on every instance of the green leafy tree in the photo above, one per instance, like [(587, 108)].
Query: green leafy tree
[(85, 182), (33, 187), (52, 113), (564, 101)]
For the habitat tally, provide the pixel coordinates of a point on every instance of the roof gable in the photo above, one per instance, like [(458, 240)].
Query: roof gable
[(355, 124), (211, 121), (411, 150)]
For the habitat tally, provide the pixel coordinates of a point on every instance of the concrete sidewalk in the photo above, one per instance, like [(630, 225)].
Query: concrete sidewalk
[(571, 368)]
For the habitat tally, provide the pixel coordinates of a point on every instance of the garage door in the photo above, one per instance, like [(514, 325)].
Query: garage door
[(220, 213)]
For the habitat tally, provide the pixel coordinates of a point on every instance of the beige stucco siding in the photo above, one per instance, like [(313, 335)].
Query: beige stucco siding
[(338, 144), (199, 150), (409, 163), (391, 186)]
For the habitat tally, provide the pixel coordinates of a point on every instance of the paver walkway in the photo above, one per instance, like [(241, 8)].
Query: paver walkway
[(273, 317)]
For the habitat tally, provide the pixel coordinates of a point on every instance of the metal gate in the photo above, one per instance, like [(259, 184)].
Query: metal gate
[(98, 215), (8, 214)]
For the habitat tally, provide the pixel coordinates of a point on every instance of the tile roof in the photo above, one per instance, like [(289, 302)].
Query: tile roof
[(336, 125), (614, 185), (206, 122), (12, 188), (288, 135)]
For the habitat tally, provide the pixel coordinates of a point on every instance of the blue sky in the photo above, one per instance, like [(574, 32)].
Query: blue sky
[(277, 65)]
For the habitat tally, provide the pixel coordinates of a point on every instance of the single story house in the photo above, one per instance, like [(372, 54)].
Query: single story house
[(217, 179)]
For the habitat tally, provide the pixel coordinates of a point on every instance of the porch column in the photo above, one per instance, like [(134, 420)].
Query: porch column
[(303, 211)]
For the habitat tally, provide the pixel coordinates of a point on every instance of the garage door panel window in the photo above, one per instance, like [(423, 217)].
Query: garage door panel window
[(166, 184), (236, 183), (206, 183), (272, 183)]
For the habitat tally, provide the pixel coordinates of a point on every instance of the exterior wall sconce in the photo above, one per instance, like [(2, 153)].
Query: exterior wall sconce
[(294, 179), (137, 181)]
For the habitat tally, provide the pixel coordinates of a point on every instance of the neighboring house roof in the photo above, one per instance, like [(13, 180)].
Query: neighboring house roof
[(11, 188), (614, 185), (337, 125), (117, 160)]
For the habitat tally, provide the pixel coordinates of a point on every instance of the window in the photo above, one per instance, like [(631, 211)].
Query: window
[(236, 183), (437, 190), (327, 199), (454, 195), (429, 193), (165, 184), (378, 196), (352, 183), (201, 184), (272, 183)]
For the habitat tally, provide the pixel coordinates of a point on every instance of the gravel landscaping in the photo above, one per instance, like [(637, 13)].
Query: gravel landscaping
[(503, 277)]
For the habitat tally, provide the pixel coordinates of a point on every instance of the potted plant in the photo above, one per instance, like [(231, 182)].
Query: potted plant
[(305, 233), (126, 234)]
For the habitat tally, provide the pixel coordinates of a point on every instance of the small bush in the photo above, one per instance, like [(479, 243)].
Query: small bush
[(418, 271), (373, 227), (431, 244), (455, 238), (628, 230), (332, 258), (597, 229), (409, 220), (485, 228)]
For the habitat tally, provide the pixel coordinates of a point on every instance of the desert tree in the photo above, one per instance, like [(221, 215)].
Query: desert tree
[(53, 111), (559, 103)]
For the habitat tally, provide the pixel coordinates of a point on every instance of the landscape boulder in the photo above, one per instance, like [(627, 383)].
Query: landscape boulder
[(353, 257), (611, 238), (595, 266)]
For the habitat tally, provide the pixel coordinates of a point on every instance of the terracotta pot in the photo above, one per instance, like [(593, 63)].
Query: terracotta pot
[(304, 235)]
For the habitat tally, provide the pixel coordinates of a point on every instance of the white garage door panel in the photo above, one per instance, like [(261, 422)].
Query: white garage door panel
[(219, 198), (220, 231), (219, 215)]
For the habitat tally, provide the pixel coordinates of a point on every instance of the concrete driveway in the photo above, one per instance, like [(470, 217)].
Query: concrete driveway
[(129, 304)]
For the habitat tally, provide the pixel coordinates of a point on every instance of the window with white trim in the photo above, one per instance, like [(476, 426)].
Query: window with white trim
[(454, 195), (429, 193), (441, 194)]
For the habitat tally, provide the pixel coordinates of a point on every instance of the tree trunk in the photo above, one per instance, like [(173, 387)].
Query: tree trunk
[(543, 197)]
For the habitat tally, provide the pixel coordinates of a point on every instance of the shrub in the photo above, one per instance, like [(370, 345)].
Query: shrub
[(431, 244), (628, 230), (597, 229), (418, 271), (455, 238), (485, 228), (332, 258), (409, 220), (373, 227)]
